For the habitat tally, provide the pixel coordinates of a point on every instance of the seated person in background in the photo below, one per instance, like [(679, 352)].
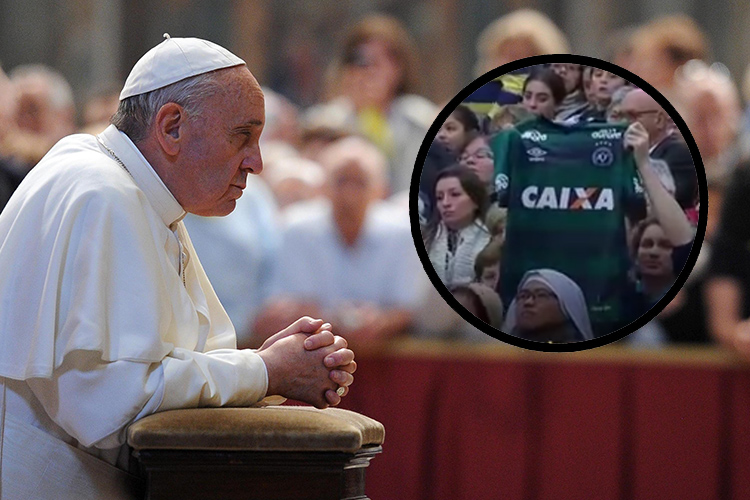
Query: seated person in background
[(656, 261), (495, 220), (371, 86), (685, 319), (248, 239), (45, 113), (479, 158), (667, 231), (543, 92), (487, 264), (518, 34), (575, 100), (481, 301), (728, 286), (438, 158), (602, 86), (548, 307), (614, 110), (461, 126), (507, 117), (664, 143), (351, 255), (456, 233), (294, 179)]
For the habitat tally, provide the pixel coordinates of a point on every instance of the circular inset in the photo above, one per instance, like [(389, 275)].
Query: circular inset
[(573, 205)]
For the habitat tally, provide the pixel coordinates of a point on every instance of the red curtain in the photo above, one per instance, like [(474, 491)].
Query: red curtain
[(555, 426)]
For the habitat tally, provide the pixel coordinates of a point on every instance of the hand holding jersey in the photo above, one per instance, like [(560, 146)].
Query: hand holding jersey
[(664, 206)]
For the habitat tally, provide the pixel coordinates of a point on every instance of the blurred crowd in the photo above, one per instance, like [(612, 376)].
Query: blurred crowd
[(331, 206)]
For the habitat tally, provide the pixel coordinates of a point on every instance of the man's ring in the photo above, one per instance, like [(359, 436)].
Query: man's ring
[(340, 391)]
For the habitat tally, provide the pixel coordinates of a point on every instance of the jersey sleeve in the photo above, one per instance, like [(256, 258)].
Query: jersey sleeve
[(635, 194), (505, 147)]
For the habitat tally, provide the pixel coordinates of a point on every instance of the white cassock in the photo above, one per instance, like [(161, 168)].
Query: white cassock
[(102, 321)]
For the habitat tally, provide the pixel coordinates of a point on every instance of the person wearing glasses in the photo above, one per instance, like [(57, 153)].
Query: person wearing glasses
[(665, 143), (479, 158), (548, 307)]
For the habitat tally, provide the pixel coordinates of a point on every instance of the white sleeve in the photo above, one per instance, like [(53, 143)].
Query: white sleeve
[(223, 377), (95, 401)]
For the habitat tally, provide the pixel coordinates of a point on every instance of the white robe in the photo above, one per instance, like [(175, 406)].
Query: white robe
[(97, 327)]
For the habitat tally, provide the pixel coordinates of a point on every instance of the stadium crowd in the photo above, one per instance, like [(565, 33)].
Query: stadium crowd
[(325, 229)]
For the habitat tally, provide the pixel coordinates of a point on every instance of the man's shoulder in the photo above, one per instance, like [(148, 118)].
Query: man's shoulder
[(76, 171)]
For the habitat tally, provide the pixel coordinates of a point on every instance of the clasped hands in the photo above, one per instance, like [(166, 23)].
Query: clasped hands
[(307, 362)]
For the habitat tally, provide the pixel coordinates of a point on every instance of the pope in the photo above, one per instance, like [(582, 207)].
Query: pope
[(106, 314)]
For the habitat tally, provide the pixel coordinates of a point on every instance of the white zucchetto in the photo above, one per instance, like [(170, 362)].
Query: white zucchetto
[(173, 60)]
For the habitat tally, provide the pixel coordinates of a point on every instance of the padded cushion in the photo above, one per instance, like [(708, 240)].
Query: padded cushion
[(271, 428)]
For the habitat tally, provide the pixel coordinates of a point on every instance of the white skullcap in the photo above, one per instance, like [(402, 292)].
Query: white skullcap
[(173, 60)]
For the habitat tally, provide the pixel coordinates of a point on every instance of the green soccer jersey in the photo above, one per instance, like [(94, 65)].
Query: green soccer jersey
[(567, 189)]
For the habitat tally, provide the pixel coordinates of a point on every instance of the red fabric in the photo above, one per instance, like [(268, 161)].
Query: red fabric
[(677, 428), (524, 429)]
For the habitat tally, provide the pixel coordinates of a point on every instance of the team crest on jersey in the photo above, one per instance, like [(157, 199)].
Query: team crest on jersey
[(567, 198), (534, 136), (602, 156), (501, 183), (536, 154)]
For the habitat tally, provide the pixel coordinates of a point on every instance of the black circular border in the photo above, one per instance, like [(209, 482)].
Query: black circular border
[(512, 339)]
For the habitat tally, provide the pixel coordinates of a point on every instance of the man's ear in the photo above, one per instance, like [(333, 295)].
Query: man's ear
[(168, 123)]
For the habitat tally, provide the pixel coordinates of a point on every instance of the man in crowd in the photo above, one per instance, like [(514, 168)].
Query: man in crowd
[(664, 143), (107, 315), (350, 257)]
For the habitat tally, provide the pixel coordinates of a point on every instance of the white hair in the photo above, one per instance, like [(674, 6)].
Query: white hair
[(60, 92), (135, 114), (355, 149)]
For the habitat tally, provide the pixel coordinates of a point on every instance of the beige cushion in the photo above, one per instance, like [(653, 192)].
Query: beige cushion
[(272, 428)]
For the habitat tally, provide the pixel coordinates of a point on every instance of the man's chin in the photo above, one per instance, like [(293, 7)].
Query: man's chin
[(225, 208)]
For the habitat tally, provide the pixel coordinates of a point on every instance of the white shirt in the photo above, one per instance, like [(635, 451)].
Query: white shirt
[(99, 325), (382, 268)]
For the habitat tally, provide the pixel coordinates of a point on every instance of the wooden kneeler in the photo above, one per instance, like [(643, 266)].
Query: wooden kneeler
[(275, 452)]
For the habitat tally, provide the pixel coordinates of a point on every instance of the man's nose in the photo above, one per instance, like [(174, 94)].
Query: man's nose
[(253, 162)]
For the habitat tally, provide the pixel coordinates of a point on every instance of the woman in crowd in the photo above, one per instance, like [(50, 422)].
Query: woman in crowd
[(548, 307), (522, 33), (372, 90), (599, 87), (456, 233), (656, 262), (543, 92), (575, 100), (479, 158), (458, 130)]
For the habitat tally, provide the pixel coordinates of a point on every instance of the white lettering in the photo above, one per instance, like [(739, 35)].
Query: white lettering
[(564, 197), (567, 198), (529, 196), (606, 200), (607, 133), (548, 199), (583, 198), (534, 136)]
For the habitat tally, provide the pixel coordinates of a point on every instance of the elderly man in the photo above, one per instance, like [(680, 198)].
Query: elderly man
[(107, 315), (351, 256), (664, 143)]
